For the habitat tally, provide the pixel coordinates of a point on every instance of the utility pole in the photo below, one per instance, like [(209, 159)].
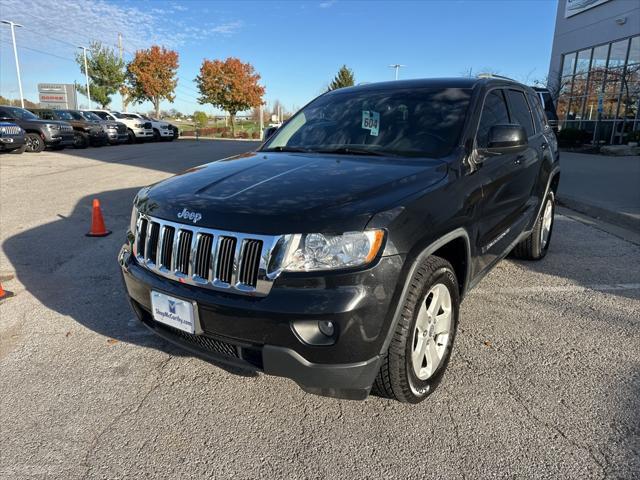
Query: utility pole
[(15, 54), (86, 73), (261, 123), (397, 67)]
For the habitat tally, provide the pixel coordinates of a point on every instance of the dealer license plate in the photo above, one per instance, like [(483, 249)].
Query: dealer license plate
[(173, 312)]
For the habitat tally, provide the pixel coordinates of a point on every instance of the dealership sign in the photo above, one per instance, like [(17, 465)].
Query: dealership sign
[(57, 95), (573, 7)]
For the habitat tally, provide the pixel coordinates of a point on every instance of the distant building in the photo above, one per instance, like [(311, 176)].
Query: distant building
[(595, 67)]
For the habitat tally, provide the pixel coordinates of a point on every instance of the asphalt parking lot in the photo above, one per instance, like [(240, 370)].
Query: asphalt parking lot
[(544, 380)]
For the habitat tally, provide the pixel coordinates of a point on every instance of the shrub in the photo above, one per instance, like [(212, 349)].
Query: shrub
[(255, 135), (242, 134), (573, 137)]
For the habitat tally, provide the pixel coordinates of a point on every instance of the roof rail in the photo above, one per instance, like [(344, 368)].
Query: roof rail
[(493, 75)]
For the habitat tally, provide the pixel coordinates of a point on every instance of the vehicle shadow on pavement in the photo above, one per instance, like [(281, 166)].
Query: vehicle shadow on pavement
[(79, 277)]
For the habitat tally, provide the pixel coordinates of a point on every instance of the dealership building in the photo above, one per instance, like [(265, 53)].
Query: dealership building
[(595, 67)]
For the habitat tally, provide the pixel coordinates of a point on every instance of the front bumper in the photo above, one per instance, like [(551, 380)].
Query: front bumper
[(257, 333), (143, 133), (59, 140), (11, 142)]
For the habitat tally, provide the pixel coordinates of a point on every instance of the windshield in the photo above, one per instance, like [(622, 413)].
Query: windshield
[(63, 115), (413, 122), (91, 116), (19, 113)]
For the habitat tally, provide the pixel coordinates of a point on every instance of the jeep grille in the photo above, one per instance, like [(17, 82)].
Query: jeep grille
[(204, 257)]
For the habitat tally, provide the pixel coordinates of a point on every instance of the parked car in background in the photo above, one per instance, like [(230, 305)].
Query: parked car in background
[(116, 131), (161, 130), (549, 106), (137, 129), (12, 138), (39, 133), (85, 132)]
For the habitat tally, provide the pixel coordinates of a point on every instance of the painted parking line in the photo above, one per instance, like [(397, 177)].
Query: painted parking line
[(558, 289)]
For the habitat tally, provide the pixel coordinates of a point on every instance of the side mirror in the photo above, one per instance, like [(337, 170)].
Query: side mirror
[(506, 139), (269, 131)]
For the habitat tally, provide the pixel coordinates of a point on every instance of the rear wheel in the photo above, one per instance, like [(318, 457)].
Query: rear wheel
[(34, 143), (421, 345), (536, 245)]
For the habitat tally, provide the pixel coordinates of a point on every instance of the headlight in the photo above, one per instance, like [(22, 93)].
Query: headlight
[(139, 125), (315, 251), (134, 220), (53, 126)]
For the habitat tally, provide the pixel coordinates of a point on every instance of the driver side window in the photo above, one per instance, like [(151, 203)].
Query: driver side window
[(494, 112)]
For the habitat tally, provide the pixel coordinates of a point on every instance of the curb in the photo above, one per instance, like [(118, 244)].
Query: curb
[(615, 218)]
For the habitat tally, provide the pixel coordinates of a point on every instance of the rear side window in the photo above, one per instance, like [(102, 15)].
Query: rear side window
[(539, 118), (520, 112), (494, 112)]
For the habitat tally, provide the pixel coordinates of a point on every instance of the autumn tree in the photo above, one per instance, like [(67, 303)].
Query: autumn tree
[(344, 78), (152, 76), (230, 85), (106, 73)]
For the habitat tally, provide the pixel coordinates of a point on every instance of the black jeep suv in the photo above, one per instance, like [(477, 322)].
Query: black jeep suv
[(39, 133), (338, 253)]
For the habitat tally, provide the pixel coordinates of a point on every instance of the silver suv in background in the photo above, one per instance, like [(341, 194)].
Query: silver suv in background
[(137, 129)]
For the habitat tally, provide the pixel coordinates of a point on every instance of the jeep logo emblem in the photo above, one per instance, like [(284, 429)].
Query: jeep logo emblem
[(187, 215)]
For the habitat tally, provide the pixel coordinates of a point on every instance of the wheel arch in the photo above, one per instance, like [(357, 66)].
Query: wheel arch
[(447, 246)]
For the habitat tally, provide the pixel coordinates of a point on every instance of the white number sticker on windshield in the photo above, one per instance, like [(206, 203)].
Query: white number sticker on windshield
[(371, 122)]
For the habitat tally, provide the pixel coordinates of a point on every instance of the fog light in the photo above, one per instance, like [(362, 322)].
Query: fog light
[(326, 327)]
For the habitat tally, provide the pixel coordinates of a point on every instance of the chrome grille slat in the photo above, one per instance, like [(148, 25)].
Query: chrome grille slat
[(204, 257)]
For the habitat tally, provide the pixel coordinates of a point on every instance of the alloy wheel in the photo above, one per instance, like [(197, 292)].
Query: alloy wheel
[(431, 332)]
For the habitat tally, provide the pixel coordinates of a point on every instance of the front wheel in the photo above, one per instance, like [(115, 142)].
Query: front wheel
[(536, 245), (421, 345), (19, 150), (34, 143), (131, 137), (80, 140)]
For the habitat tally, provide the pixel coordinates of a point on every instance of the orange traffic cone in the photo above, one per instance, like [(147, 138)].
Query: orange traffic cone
[(4, 294), (97, 222)]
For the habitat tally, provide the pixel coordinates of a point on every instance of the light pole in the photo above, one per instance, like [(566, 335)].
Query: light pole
[(15, 54), (397, 67), (86, 73)]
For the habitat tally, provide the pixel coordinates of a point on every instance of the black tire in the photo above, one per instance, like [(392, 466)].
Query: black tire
[(397, 378), (34, 143), (80, 140), (156, 135), (19, 150), (132, 137), (534, 247)]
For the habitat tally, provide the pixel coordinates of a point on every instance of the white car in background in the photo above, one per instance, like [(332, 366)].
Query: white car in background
[(161, 130), (137, 128)]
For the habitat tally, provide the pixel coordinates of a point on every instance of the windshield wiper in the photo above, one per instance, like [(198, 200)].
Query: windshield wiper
[(356, 151), (285, 149)]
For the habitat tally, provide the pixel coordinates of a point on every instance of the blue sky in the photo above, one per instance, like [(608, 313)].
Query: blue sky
[(297, 47)]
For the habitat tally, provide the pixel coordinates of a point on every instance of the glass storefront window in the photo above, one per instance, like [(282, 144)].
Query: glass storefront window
[(600, 54), (607, 75), (618, 53), (568, 64), (584, 58), (634, 51)]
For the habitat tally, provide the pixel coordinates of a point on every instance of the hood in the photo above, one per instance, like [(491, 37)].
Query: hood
[(274, 193)]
